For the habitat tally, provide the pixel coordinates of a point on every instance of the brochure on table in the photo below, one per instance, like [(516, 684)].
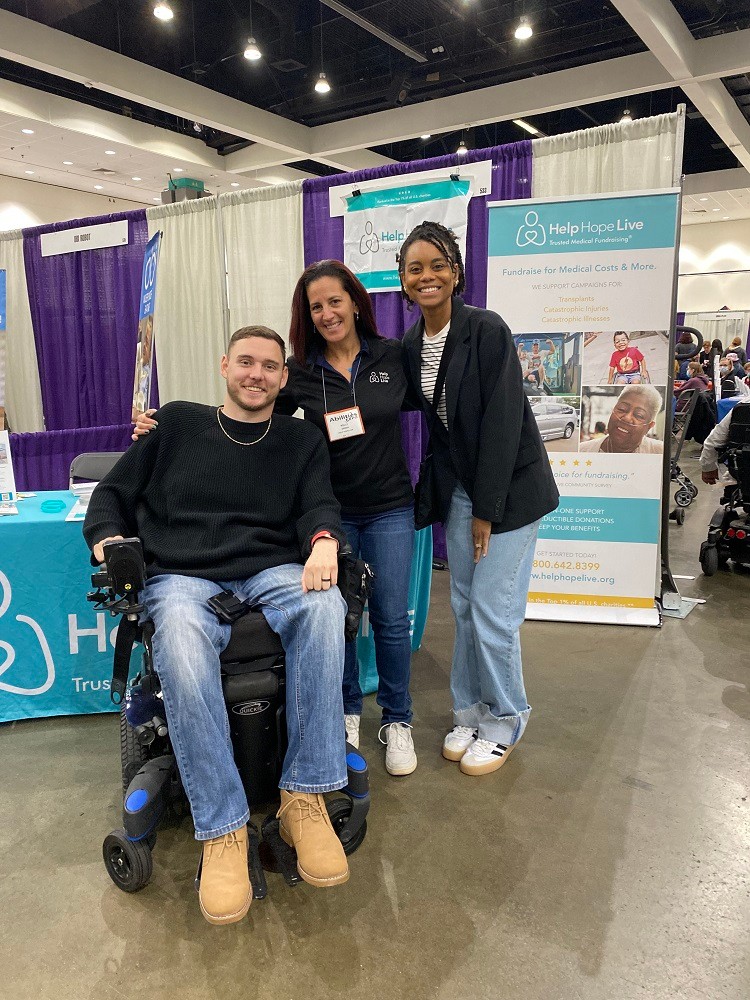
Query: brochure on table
[(586, 285), (7, 480)]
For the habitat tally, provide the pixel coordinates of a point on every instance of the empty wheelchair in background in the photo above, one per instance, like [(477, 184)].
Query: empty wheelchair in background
[(729, 529), (253, 678)]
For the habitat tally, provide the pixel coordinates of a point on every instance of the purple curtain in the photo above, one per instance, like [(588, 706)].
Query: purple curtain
[(42, 461), (84, 310), (324, 238)]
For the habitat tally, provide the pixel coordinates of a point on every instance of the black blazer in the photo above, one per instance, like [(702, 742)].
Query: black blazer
[(494, 448)]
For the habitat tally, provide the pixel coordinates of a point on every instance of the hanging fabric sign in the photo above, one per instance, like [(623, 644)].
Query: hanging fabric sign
[(144, 352), (3, 285), (586, 286), (377, 222)]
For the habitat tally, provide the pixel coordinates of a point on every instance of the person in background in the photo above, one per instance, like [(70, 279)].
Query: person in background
[(717, 351), (493, 485), (342, 368), (705, 354), (695, 379), (736, 348)]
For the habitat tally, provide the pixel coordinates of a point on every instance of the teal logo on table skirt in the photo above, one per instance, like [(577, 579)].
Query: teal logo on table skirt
[(610, 519)]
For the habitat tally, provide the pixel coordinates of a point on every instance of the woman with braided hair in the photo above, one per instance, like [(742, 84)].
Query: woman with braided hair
[(492, 485)]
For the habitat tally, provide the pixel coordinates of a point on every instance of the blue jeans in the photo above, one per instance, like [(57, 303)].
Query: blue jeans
[(386, 542), (187, 643), (489, 604)]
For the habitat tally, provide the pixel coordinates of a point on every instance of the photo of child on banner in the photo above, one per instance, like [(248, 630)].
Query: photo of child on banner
[(626, 357)]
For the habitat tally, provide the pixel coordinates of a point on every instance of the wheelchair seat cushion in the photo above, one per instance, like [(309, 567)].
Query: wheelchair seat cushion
[(252, 639)]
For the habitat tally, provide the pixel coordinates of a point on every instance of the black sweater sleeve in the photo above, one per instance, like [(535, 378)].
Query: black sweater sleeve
[(320, 510)]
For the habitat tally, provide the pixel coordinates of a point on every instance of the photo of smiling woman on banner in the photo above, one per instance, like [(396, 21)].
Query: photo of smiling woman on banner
[(633, 417)]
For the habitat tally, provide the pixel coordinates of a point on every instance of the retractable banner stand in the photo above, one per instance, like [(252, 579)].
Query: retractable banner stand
[(145, 350), (586, 286), (3, 275)]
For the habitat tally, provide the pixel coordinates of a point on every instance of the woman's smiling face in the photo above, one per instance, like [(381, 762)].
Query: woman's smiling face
[(429, 277)]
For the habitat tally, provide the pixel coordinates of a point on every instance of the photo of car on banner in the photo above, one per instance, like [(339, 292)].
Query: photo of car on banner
[(558, 419)]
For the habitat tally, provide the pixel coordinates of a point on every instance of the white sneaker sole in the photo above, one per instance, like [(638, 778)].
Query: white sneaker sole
[(488, 766), (455, 754), (399, 772)]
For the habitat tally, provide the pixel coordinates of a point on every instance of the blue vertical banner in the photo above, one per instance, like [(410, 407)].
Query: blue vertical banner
[(586, 285), (3, 299), (145, 349)]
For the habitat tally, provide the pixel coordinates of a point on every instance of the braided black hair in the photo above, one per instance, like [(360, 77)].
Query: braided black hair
[(445, 242)]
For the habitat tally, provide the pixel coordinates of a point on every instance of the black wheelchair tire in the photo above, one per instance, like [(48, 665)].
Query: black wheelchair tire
[(132, 755), (128, 862), (683, 498), (709, 560), (678, 515), (339, 811)]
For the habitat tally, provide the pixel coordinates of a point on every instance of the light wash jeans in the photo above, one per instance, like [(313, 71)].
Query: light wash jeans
[(489, 603), (187, 643), (386, 542)]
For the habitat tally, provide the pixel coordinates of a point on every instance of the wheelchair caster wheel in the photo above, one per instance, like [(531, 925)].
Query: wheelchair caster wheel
[(709, 559), (339, 811), (128, 862), (683, 498), (677, 515)]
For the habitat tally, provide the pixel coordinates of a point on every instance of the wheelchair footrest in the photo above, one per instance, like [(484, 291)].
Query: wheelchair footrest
[(277, 856)]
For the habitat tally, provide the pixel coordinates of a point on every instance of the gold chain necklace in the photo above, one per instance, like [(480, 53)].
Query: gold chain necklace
[(245, 444)]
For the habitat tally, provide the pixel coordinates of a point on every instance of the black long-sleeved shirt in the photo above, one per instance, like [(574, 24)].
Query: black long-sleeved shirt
[(368, 472), (205, 506)]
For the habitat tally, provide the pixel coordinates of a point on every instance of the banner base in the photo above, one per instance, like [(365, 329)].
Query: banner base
[(593, 615)]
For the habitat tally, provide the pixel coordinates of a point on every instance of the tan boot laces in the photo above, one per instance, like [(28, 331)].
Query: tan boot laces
[(217, 846), (309, 809)]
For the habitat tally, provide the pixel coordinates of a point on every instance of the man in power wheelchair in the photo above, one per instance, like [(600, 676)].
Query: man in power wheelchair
[(729, 530), (235, 500)]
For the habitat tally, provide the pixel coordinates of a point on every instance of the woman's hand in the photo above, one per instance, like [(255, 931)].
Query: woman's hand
[(144, 424), (480, 534), (322, 567)]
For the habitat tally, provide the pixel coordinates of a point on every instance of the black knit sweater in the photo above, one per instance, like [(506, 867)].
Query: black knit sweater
[(205, 506)]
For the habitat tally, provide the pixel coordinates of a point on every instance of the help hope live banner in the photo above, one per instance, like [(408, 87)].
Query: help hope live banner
[(586, 286), (378, 216)]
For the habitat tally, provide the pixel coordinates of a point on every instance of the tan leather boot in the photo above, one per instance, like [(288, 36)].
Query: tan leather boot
[(225, 892), (305, 826)]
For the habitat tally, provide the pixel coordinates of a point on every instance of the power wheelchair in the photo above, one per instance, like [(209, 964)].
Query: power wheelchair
[(253, 678), (729, 528)]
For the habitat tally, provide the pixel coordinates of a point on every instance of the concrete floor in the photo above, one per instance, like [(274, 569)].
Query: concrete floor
[(608, 860)]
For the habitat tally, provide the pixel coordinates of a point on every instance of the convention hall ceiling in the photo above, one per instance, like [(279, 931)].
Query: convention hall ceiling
[(398, 71)]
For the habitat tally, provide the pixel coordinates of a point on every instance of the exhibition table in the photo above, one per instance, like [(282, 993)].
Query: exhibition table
[(56, 649), (55, 652), (724, 406)]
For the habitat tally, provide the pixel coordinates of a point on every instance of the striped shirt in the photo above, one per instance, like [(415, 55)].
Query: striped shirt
[(432, 352)]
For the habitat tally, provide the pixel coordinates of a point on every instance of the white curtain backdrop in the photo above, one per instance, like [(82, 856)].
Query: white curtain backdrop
[(632, 156), (189, 317), (723, 328), (23, 395), (265, 254)]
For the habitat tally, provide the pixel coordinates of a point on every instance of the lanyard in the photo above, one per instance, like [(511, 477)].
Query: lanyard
[(354, 388)]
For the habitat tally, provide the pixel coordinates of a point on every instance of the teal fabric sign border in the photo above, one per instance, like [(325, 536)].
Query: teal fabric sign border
[(608, 519), (407, 195)]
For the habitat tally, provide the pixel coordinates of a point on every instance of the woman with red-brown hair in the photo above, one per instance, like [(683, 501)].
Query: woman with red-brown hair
[(350, 382)]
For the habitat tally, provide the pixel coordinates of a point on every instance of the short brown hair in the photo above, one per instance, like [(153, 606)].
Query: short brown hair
[(257, 331)]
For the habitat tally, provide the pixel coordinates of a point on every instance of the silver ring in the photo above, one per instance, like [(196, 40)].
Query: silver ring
[(478, 545)]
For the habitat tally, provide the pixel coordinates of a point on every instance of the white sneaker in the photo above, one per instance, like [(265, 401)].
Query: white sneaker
[(458, 741), (352, 730), (400, 757), (484, 756)]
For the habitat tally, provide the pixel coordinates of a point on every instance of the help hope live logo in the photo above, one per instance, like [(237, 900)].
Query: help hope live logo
[(10, 653)]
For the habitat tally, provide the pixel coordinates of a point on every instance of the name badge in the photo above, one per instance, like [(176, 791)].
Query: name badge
[(342, 424)]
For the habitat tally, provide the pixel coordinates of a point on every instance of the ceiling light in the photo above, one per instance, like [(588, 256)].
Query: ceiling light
[(703, 199), (98, 187), (626, 116), (235, 184), (725, 217), (163, 11), (252, 52), (524, 29), (29, 171), (462, 150), (322, 86), (156, 199), (135, 178), (526, 126), (426, 136), (27, 131), (67, 163), (715, 209), (110, 152), (197, 127), (179, 170)]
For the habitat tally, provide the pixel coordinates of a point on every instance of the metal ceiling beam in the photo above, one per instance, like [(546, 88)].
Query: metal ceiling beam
[(687, 59), (373, 29)]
